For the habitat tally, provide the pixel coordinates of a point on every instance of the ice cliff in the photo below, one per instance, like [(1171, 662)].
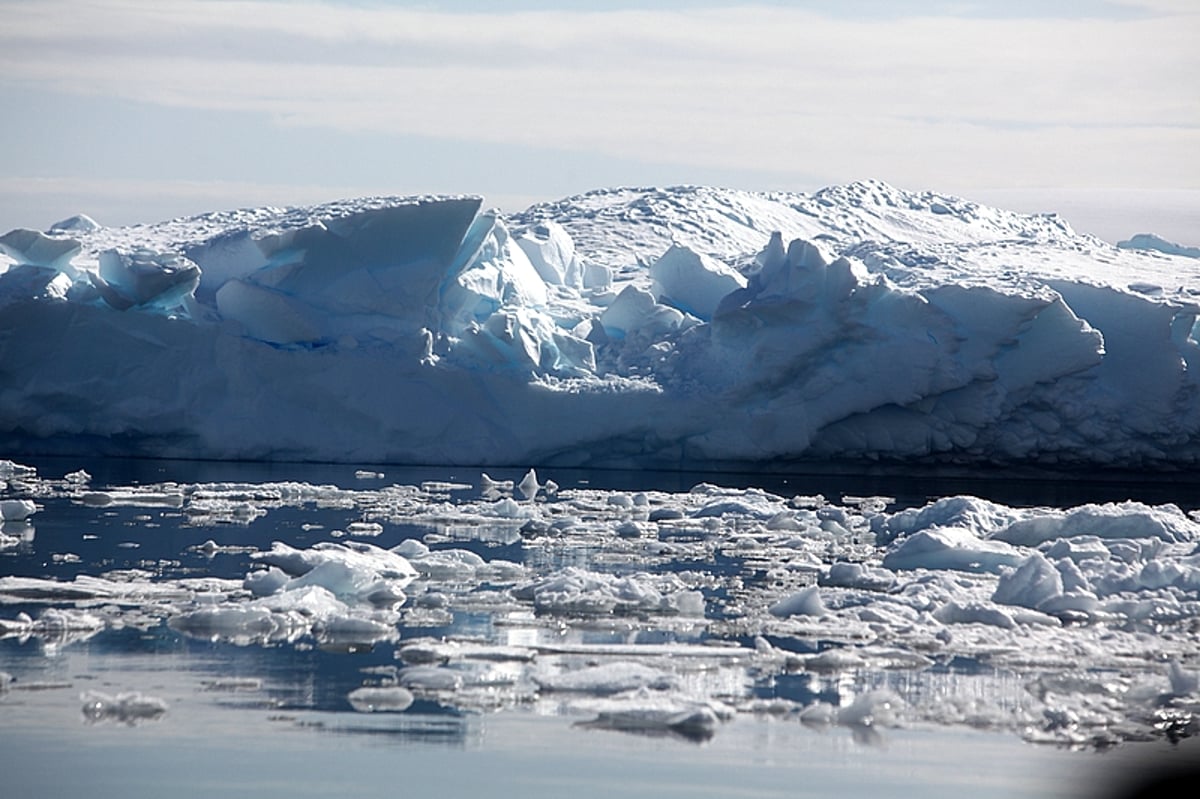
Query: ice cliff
[(654, 327)]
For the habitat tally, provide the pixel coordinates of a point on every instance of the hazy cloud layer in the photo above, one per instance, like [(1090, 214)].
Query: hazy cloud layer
[(943, 101)]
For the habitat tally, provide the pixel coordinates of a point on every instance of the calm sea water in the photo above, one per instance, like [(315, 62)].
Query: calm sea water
[(274, 720)]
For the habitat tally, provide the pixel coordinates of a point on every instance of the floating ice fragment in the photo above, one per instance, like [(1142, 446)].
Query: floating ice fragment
[(805, 602), (10, 470), (265, 582), (386, 699), (364, 529), (974, 613), (127, 708), (877, 707), (430, 679), (16, 509), (1150, 241), (358, 555), (954, 548), (529, 485), (575, 590), (835, 659), (607, 679), (858, 575), (979, 516), (487, 484), (688, 719), (1114, 520), (1034, 582), (79, 477)]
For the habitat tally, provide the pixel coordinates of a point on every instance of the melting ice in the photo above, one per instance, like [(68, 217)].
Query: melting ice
[(662, 612)]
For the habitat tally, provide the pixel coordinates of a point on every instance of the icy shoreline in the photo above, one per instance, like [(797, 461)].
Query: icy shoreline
[(669, 328)]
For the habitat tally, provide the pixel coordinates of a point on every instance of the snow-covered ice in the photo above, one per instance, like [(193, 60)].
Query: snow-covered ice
[(649, 327)]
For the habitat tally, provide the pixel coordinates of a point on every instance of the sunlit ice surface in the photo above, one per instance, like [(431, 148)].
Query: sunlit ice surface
[(315, 627)]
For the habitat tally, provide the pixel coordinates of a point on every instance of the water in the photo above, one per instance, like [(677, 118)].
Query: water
[(273, 719)]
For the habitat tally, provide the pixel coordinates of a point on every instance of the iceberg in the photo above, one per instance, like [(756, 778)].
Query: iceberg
[(686, 327)]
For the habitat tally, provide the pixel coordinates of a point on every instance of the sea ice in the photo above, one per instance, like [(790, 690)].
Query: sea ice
[(647, 632)]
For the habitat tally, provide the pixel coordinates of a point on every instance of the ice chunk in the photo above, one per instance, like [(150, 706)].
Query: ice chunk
[(695, 721), (130, 707), (1114, 520), (692, 282), (145, 278), (575, 590), (357, 555), (609, 678), (351, 581), (874, 708), (386, 699), (950, 548), (27, 282), (38, 249), (634, 310), (16, 509), (490, 271), (805, 602), (529, 485), (265, 582), (1031, 585), (860, 576), (971, 513), (974, 613), (552, 252), (597, 277)]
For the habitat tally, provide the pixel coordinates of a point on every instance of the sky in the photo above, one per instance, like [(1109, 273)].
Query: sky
[(136, 112)]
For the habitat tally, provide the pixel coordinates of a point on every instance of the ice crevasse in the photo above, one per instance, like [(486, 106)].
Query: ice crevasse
[(647, 327)]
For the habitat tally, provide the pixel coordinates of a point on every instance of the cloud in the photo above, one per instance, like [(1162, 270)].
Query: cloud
[(946, 101)]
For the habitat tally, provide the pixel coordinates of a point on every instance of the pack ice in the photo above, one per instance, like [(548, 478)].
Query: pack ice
[(654, 612), (649, 327)]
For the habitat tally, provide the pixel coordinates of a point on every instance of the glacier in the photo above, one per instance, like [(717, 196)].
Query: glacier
[(682, 327)]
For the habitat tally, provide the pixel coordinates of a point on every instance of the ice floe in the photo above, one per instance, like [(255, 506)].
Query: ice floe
[(664, 612)]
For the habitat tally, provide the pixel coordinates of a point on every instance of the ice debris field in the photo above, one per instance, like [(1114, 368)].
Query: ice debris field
[(650, 611), (675, 327)]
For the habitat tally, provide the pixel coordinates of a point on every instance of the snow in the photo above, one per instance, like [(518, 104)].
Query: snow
[(685, 326)]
